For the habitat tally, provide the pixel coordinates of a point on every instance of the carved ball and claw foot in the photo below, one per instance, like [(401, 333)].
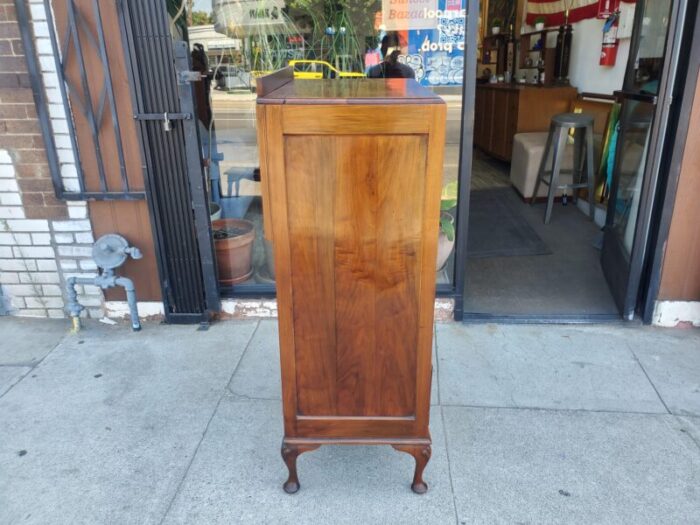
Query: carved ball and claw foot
[(421, 453), (290, 453)]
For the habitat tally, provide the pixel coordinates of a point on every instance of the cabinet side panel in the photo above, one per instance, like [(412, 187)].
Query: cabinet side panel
[(358, 378), (401, 166), (310, 172)]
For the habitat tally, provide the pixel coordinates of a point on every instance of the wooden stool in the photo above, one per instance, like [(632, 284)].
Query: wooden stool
[(556, 141)]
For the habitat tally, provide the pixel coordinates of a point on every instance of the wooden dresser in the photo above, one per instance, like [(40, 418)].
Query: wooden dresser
[(351, 173), (502, 110)]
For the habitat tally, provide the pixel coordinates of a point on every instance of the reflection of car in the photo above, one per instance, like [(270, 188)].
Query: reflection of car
[(316, 69)]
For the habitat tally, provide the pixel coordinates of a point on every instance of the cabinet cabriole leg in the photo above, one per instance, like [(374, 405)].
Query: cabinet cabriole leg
[(290, 453), (421, 453)]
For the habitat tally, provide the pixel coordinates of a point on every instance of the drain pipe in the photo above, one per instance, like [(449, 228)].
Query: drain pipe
[(109, 252)]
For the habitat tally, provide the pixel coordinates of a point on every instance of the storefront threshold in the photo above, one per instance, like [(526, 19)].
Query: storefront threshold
[(243, 308), (475, 318)]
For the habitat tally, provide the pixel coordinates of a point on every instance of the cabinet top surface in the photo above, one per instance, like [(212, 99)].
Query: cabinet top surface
[(351, 91)]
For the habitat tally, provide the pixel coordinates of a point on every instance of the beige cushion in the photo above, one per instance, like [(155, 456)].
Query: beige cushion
[(528, 149)]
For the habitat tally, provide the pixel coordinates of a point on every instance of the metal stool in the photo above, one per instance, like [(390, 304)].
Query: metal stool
[(557, 139)]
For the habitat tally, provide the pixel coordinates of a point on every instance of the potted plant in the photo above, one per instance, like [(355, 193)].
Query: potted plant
[(233, 243), (446, 238), (496, 25), (540, 21)]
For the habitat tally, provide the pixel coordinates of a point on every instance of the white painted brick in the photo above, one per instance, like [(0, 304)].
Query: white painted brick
[(6, 252), (77, 212), (84, 238), (90, 301), (5, 157), (69, 171), (28, 225), (39, 278), (11, 212), (57, 314), (7, 171), (15, 239), (91, 289), (8, 185), (71, 185), (47, 265), (32, 313), (64, 238), (56, 111), (37, 11), (72, 226), (17, 302), (47, 63), (10, 199), (53, 95), (83, 275), (50, 79), (44, 302), (75, 251), (41, 238), (65, 156), (43, 47), (21, 290), (88, 265), (34, 252), (96, 313), (60, 125), (51, 290), (41, 29), (17, 265), (68, 264), (62, 141), (9, 278)]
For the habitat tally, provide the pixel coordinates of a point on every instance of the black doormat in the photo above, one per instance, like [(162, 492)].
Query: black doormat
[(498, 229)]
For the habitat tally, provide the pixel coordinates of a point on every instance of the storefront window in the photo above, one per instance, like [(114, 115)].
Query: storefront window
[(235, 41)]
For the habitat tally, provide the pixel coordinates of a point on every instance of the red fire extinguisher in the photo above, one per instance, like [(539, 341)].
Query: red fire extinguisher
[(608, 53)]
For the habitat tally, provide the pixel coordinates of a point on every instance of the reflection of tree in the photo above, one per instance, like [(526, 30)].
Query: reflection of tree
[(201, 18), (339, 29)]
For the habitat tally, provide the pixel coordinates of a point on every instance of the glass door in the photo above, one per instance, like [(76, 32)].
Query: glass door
[(645, 101)]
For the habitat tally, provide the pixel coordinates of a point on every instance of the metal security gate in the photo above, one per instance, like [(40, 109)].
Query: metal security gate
[(162, 94)]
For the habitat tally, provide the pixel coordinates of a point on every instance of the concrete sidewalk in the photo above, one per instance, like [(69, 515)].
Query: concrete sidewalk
[(530, 424)]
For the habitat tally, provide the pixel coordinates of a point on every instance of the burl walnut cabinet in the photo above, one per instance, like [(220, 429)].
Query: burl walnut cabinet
[(351, 174)]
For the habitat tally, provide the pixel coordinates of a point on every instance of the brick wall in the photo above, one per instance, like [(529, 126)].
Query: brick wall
[(43, 240)]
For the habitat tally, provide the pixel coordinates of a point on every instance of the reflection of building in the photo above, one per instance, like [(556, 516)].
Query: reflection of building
[(244, 18), (215, 43), (269, 37)]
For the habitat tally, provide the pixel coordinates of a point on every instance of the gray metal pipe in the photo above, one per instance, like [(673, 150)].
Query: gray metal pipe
[(128, 286)]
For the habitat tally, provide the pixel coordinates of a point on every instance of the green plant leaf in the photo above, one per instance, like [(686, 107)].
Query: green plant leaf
[(448, 198)]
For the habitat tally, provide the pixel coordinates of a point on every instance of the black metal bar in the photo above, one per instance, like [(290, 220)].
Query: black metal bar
[(686, 96), (466, 145), (58, 181), (163, 116), (135, 82), (107, 73), (187, 291), (178, 206), (198, 186), (70, 8), (39, 94)]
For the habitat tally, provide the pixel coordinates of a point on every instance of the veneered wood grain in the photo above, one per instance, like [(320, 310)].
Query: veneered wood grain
[(356, 120), (356, 363), (310, 172), (401, 165), (356, 272)]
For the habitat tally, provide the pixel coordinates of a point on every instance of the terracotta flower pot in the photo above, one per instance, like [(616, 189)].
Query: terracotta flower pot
[(233, 242)]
